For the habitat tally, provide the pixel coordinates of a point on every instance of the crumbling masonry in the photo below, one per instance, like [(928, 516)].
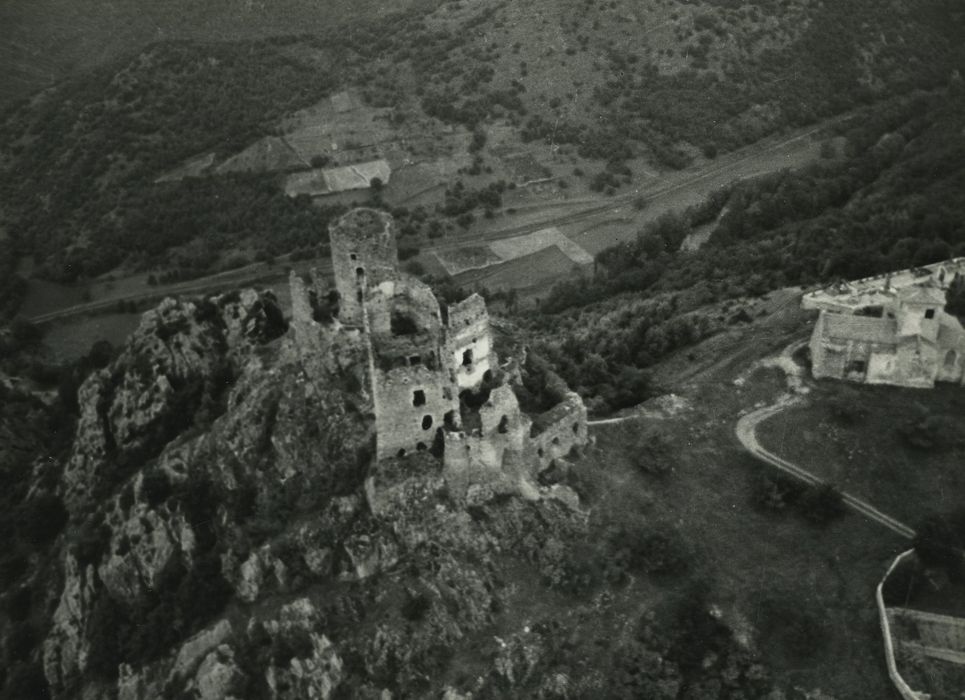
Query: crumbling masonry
[(431, 374), (890, 329)]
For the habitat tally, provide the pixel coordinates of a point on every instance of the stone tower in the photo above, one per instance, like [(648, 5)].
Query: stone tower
[(917, 312), (363, 255)]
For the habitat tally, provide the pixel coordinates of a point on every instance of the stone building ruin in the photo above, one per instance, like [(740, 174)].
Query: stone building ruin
[(890, 329), (430, 371)]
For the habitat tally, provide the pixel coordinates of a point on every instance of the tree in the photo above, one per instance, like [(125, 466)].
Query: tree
[(938, 544), (955, 297)]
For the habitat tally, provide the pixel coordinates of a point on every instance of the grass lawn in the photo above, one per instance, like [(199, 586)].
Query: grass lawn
[(852, 435), (801, 594)]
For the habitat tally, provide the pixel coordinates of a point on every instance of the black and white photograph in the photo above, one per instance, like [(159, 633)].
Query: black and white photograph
[(482, 349)]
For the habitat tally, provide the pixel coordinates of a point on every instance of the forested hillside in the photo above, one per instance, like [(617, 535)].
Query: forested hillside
[(663, 83), (897, 199)]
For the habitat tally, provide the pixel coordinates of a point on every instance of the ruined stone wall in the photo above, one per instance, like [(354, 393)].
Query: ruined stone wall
[(469, 342), (882, 366), (916, 364), (912, 321), (819, 355), (407, 420), (952, 365), (327, 349), (402, 299), (499, 456), (363, 255), (560, 429)]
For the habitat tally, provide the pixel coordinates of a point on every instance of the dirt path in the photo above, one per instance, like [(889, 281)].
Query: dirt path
[(746, 430)]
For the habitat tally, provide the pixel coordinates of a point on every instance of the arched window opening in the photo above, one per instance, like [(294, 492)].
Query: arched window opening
[(401, 453), (421, 447), (467, 358), (951, 358), (503, 424), (426, 422), (360, 272)]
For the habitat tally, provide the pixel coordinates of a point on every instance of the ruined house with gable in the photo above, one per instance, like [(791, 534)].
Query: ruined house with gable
[(890, 329), (431, 373)]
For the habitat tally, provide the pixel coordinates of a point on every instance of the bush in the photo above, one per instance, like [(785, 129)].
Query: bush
[(21, 641), (42, 518), (416, 606), (798, 631), (155, 487), (821, 503), (929, 432), (772, 490), (938, 543), (651, 453), (845, 408)]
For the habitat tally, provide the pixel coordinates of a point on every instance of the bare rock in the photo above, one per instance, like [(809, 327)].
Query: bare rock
[(371, 554), (195, 649), (65, 649), (218, 676)]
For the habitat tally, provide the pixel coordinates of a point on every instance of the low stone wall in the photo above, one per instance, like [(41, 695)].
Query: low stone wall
[(469, 331), (561, 429), (411, 406), (899, 682)]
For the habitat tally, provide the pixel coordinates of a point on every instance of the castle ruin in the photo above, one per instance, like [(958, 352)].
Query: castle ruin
[(430, 371), (890, 329)]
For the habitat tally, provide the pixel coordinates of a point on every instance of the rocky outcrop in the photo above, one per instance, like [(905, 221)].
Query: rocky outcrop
[(270, 502), (65, 650), (171, 374), (314, 669)]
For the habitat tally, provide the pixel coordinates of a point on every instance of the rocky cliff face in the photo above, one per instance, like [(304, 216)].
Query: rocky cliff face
[(231, 536), (173, 373)]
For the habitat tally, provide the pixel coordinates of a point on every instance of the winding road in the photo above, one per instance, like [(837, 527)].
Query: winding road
[(747, 434), (746, 430)]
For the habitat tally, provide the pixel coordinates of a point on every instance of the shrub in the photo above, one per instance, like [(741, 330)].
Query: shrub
[(21, 641), (651, 453), (821, 503), (42, 518), (797, 630), (155, 487), (939, 544), (416, 606), (844, 407), (929, 432)]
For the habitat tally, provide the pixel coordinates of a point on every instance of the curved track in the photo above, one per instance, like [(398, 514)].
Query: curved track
[(747, 433)]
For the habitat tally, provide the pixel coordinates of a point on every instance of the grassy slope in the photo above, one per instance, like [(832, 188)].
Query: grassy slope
[(758, 561), (869, 457)]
